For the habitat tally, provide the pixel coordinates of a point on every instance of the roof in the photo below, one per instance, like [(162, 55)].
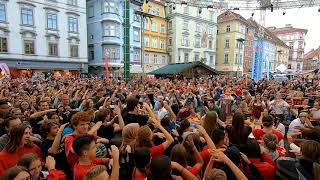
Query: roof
[(177, 68), (312, 53), (230, 16), (267, 33), (287, 29)]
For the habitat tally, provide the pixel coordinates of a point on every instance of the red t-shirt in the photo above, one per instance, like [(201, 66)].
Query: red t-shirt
[(205, 155), (267, 168), (258, 133), (282, 152), (136, 175), (56, 175), (8, 160), (79, 171), (194, 170), (156, 151)]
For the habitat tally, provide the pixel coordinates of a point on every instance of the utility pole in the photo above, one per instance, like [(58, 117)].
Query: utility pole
[(126, 46)]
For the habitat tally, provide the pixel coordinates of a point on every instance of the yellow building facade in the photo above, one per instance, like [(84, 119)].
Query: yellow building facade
[(154, 33), (230, 43)]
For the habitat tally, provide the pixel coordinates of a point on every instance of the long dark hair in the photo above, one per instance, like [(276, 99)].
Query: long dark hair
[(237, 133), (178, 154), (13, 172), (15, 137)]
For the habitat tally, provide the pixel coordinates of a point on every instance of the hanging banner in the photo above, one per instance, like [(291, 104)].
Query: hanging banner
[(257, 63), (107, 67)]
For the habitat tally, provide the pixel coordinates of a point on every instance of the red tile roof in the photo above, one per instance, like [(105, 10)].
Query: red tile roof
[(230, 16), (287, 30), (312, 53)]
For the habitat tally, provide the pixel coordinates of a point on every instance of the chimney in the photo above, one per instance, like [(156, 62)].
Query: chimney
[(289, 25)]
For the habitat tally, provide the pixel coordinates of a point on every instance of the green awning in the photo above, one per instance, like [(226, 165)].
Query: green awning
[(177, 68)]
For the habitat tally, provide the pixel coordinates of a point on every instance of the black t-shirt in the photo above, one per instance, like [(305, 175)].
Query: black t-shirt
[(135, 118), (106, 132)]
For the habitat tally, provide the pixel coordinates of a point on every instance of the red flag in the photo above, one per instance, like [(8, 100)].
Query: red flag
[(107, 67)]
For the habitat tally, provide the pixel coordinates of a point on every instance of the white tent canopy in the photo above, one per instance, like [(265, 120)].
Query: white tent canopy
[(281, 68)]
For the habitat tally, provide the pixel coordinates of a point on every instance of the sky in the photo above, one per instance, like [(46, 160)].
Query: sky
[(304, 18)]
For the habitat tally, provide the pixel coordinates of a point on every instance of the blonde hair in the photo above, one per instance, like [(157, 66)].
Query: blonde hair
[(216, 174)]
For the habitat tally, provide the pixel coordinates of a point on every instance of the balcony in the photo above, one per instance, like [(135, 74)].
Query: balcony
[(114, 60), (111, 40), (111, 16)]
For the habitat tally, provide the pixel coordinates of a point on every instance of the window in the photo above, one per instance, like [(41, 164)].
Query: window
[(237, 59), (154, 43), (158, 11), (91, 54), (155, 59), (149, 9), (162, 28), (210, 44), (185, 25), (196, 57), (146, 41), (227, 44), (53, 49), (210, 31), (226, 58), (2, 12), (3, 45), (298, 66), (52, 21), (72, 2), (146, 26), (186, 57), (114, 54), (240, 59), (73, 24), (198, 27), (136, 55), (154, 26), (136, 17), (239, 45), (29, 46), (91, 11), (112, 30), (185, 10), (162, 44), (170, 25), (163, 59), (300, 44), (185, 41), (170, 41), (211, 59), (110, 7), (228, 29), (74, 51), (197, 42), (27, 16), (146, 58), (136, 35)]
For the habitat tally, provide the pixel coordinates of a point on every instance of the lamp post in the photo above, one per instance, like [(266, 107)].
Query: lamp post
[(240, 41)]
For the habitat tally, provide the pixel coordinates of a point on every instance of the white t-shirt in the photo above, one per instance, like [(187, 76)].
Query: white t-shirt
[(293, 125)]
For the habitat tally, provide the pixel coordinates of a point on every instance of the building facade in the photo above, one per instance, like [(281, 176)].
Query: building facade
[(295, 39), (282, 54), (191, 34), (42, 35), (311, 60), (248, 49), (105, 24), (230, 43), (154, 35)]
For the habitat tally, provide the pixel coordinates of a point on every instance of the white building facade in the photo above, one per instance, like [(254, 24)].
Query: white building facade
[(44, 34)]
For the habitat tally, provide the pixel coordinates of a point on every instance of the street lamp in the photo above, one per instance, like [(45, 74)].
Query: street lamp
[(240, 41)]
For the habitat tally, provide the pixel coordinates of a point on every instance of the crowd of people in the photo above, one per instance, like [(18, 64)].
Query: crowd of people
[(157, 129)]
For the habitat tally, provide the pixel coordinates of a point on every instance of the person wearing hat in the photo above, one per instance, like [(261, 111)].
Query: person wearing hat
[(302, 121)]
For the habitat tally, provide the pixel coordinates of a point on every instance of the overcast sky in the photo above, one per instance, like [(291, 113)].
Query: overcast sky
[(305, 18)]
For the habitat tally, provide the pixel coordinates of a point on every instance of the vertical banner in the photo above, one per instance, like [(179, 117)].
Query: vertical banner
[(107, 66), (257, 63)]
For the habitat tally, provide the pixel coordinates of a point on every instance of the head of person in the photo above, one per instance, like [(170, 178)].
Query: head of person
[(16, 113), (4, 109), (81, 122), (54, 117), (252, 149), (144, 138), (161, 168), (50, 128), (98, 172), (184, 126), (32, 162), (216, 174), (310, 150), (10, 123), (65, 100), (211, 103), (142, 159), (88, 105), (238, 134), (24, 105), (178, 154), (132, 103), (218, 137), (270, 141), (19, 137), (129, 135), (303, 116), (267, 121), (210, 121), (100, 92), (44, 105), (278, 96), (103, 115), (85, 146), (17, 173)]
